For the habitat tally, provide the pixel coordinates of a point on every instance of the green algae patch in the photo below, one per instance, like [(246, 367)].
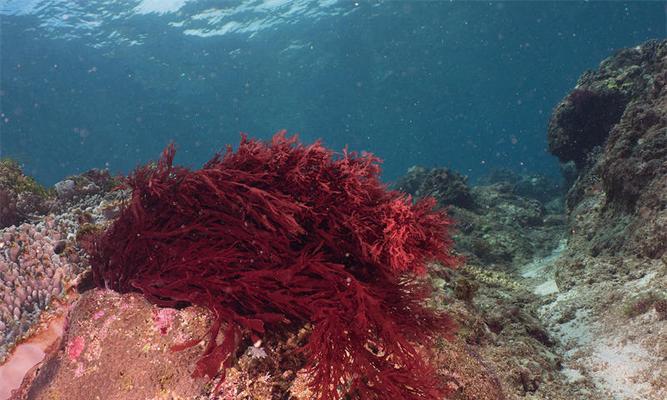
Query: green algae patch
[(12, 178)]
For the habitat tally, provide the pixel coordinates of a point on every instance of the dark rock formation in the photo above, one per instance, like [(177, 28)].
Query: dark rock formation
[(583, 120), (613, 126), (446, 186), (501, 222), (534, 186)]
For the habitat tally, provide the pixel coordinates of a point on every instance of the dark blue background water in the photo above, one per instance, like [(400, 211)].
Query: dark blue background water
[(465, 85)]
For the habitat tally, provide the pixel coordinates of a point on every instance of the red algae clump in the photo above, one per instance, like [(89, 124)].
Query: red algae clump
[(276, 236)]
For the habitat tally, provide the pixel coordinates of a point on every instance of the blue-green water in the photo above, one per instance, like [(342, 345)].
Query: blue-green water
[(469, 85)]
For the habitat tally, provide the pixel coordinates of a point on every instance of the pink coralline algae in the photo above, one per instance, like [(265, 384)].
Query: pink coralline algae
[(163, 318), (75, 348)]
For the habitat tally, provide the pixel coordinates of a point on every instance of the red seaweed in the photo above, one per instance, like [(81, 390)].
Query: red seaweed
[(277, 235)]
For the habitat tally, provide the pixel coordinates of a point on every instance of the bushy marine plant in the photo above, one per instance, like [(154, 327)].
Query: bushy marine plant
[(277, 235)]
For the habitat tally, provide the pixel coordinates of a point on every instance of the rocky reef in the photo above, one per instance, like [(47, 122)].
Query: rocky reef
[(573, 278), (612, 276), (505, 220), (38, 258), (510, 221), (448, 187), (34, 265), (561, 295), (20, 196), (616, 204)]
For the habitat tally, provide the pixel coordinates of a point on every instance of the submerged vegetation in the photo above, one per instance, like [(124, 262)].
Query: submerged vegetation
[(20, 195), (11, 176), (277, 236)]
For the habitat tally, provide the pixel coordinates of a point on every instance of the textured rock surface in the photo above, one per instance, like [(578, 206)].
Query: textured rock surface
[(610, 280), (20, 196), (590, 317), (39, 260), (502, 223), (532, 186), (493, 304), (446, 186), (118, 347), (618, 203)]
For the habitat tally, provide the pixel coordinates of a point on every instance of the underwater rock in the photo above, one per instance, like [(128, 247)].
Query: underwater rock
[(448, 187), (538, 187), (65, 189), (504, 229), (534, 186), (610, 279), (20, 195), (618, 203), (113, 349), (583, 120), (75, 189)]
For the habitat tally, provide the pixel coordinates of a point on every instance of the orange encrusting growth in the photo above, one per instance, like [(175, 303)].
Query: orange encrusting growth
[(275, 235)]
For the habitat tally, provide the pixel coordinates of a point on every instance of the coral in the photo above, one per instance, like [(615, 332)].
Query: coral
[(39, 260), (34, 268), (276, 235)]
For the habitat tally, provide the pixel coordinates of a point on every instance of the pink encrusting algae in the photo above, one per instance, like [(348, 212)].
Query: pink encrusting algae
[(163, 318), (75, 348)]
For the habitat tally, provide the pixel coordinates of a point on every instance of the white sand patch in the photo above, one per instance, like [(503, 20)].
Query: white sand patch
[(623, 356), (537, 268), (619, 369), (539, 273), (641, 282), (573, 375), (546, 288), (604, 346), (577, 332)]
